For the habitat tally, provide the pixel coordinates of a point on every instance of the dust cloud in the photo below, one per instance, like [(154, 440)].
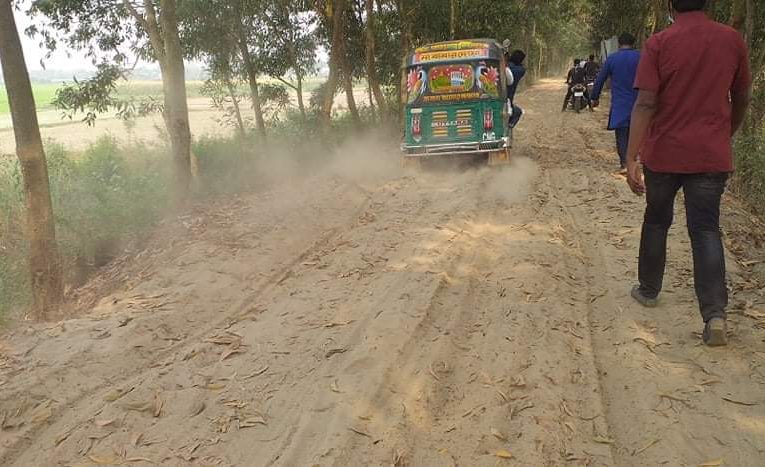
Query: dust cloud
[(374, 156), (513, 183)]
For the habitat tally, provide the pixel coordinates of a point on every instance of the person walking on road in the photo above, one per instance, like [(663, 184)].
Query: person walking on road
[(621, 68), (694, 85)]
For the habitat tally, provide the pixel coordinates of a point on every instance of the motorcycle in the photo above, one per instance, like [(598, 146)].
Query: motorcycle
[(579, 99), (590, 86)]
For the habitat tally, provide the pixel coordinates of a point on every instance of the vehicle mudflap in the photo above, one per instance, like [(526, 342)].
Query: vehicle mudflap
[(501, 157), (411, 163)]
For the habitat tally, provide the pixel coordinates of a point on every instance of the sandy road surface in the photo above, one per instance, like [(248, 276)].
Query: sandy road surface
[(369, 317)]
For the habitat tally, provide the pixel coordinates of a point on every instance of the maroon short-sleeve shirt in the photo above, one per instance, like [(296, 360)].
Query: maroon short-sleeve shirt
[(693, 67)]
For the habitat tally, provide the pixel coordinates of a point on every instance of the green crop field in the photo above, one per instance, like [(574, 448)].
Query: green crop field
[(44, 94)]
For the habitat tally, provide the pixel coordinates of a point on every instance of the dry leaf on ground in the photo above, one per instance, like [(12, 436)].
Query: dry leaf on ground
[(498, 434)]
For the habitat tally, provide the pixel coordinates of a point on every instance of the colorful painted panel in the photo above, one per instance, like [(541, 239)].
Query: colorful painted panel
[(451, 79), (488, 79), (450, 51), (415, 84)]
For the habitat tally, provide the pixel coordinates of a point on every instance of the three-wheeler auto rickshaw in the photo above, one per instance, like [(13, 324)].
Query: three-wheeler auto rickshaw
[(454, 95)]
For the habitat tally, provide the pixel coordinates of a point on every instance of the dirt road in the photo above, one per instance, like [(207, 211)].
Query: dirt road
[(369, 317)]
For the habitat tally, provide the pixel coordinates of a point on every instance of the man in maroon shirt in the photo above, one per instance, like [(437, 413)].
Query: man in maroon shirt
[(694, 88)]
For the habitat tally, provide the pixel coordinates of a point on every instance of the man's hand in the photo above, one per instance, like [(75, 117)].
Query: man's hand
[(635, 177), (595, 103), (642, 116)]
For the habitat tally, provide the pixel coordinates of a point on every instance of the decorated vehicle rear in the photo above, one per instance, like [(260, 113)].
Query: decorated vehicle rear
[(454, 96)]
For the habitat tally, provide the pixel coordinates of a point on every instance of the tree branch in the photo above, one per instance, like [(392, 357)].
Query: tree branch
[(286, 83), (133, 12), (152, 28)]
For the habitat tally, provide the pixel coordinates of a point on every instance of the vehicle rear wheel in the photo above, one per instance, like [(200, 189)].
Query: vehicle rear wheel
[(577, 104)]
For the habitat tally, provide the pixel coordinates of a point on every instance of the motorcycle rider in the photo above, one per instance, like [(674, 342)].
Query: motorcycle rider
[(576, 75), (591, 69)]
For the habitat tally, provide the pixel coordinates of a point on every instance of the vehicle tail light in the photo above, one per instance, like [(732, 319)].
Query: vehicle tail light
[(488, 120), (416, 127)]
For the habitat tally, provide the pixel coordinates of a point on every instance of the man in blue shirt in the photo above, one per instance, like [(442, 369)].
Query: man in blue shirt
[(621, 67), (516, 72)]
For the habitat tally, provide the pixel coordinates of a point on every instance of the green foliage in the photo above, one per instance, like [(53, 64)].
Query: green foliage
[(109, 194), (14, 275), (98, 95), (227, 96), (275, 100), (614, 17), (102, 198), (749, 180)]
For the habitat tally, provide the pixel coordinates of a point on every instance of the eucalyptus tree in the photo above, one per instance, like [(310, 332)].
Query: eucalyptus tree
[(292, 31), (44, 264), (333, 22), (370, 33), (232, 32), (106, 30)]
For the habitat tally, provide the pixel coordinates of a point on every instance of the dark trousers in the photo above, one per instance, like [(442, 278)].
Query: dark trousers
[(622, 142), (516, 117), (703, 193)]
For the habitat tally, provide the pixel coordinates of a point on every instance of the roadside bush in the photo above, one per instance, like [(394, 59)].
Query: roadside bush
[(111, 194), (749, 181), (101, 199), (226, 165), (14, 276)]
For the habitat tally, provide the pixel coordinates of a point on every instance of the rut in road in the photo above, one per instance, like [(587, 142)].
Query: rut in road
[(369, 317)]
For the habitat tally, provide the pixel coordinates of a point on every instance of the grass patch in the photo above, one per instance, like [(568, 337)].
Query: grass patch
[(43, 93), (139, 89)]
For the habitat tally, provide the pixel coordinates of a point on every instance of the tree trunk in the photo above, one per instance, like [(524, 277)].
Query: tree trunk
[(406, 34), (540, 61), (660, 12), (298, 81), (452, 19), (738, 14), (742, 18), (44, 261), (299, 90), (372, 107), (252, 77), (348, 87), (335, 16), (237, 112), (176, 112), (374, 82)]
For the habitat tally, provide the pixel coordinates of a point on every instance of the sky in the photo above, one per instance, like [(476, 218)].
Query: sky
[(66, 60), (33, 53)]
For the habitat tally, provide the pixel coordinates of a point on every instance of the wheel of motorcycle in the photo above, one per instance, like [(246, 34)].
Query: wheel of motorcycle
[(578, 105)]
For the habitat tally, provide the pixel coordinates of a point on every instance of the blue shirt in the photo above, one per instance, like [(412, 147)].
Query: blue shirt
[(621, 67), (518, 72)]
